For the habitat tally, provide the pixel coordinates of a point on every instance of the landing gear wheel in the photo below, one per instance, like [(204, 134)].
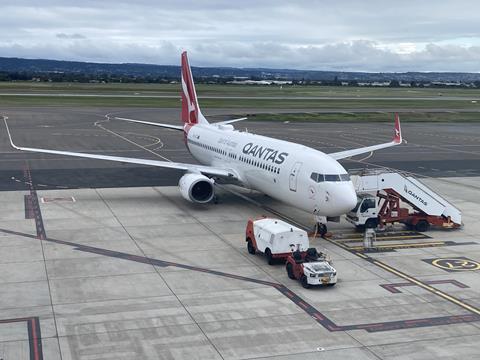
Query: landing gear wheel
[(250, 247), (304, 282), (268, 255), (422, 226), (321, 229), (290, 271), (371, 223)]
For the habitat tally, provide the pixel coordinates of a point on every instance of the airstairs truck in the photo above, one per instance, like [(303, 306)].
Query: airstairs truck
[(388, 197)]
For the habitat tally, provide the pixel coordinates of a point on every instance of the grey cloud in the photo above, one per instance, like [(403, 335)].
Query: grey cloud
[(70, 36), (316, 34)]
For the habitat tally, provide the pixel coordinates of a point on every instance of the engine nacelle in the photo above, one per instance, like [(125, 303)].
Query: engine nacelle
[(196, 188)]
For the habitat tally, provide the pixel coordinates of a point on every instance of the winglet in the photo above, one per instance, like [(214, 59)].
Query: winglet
[(397, 137), (9, 135)]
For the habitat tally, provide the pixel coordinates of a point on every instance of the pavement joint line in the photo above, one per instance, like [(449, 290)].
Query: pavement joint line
[(384, 266), (310, 310), (41, 235), (155, 268)]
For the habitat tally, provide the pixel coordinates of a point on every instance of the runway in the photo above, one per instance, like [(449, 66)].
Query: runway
[(437, 150)]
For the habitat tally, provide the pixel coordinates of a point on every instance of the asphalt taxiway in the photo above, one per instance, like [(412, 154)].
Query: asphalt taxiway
[(136, 272), (433, 149)]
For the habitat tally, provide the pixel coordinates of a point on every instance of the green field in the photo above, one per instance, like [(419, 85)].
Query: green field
[(232, 90), (340, 103)]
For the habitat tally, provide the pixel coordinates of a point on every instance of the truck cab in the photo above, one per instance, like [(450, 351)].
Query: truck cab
[(365, 213)]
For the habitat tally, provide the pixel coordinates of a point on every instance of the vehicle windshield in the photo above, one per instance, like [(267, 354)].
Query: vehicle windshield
[(367, 204)]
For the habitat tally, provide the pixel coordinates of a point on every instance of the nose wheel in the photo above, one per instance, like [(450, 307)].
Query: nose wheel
[(321, 229)]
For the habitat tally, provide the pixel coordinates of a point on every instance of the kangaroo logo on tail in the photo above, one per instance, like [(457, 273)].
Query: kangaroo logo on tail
[(191, 113)]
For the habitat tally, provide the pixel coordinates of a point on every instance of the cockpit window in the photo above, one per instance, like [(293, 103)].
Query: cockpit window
[(317, 177), (334, 177)]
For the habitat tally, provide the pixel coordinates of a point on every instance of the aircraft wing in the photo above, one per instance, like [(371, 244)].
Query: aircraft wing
[(397, 140), (206, 170), (167, 126)]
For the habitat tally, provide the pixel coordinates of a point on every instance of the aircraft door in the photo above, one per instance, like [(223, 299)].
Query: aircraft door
[(294, 175)]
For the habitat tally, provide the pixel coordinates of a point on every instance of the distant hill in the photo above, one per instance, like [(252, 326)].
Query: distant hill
[(56, 68)]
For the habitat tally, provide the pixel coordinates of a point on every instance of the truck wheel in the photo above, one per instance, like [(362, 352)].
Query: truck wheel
[(290, 271), (422, 226), (250, 247), (304, 282), (371, 223), (268, 255)]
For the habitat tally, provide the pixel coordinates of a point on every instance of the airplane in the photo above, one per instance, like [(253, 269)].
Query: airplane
[(295, 174)]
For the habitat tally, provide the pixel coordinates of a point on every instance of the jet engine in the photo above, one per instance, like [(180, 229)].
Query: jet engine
[(196, 188)]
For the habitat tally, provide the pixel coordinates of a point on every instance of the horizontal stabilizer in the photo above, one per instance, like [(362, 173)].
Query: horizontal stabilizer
[(230, 121), (167, 126)]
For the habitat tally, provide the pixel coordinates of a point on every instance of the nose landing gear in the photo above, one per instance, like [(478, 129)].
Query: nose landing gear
[(320, 227)]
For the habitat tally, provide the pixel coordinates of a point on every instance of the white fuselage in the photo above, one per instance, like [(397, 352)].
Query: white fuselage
[(280, 169)]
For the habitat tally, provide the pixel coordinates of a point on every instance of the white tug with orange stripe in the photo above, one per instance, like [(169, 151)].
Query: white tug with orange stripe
[(295, 174)]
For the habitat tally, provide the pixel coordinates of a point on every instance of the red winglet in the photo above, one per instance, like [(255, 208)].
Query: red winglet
[(397, 138)]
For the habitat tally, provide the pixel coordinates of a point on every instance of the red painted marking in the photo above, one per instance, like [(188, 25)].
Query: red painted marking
[(318, 316), (289, 294), (416, 321), (302, 304), (35, 340), (333, 327)]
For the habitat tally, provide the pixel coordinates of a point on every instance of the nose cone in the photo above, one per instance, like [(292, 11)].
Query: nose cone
[(344, 198)]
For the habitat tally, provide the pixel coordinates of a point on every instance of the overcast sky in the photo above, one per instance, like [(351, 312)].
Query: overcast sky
[(350, 35)]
